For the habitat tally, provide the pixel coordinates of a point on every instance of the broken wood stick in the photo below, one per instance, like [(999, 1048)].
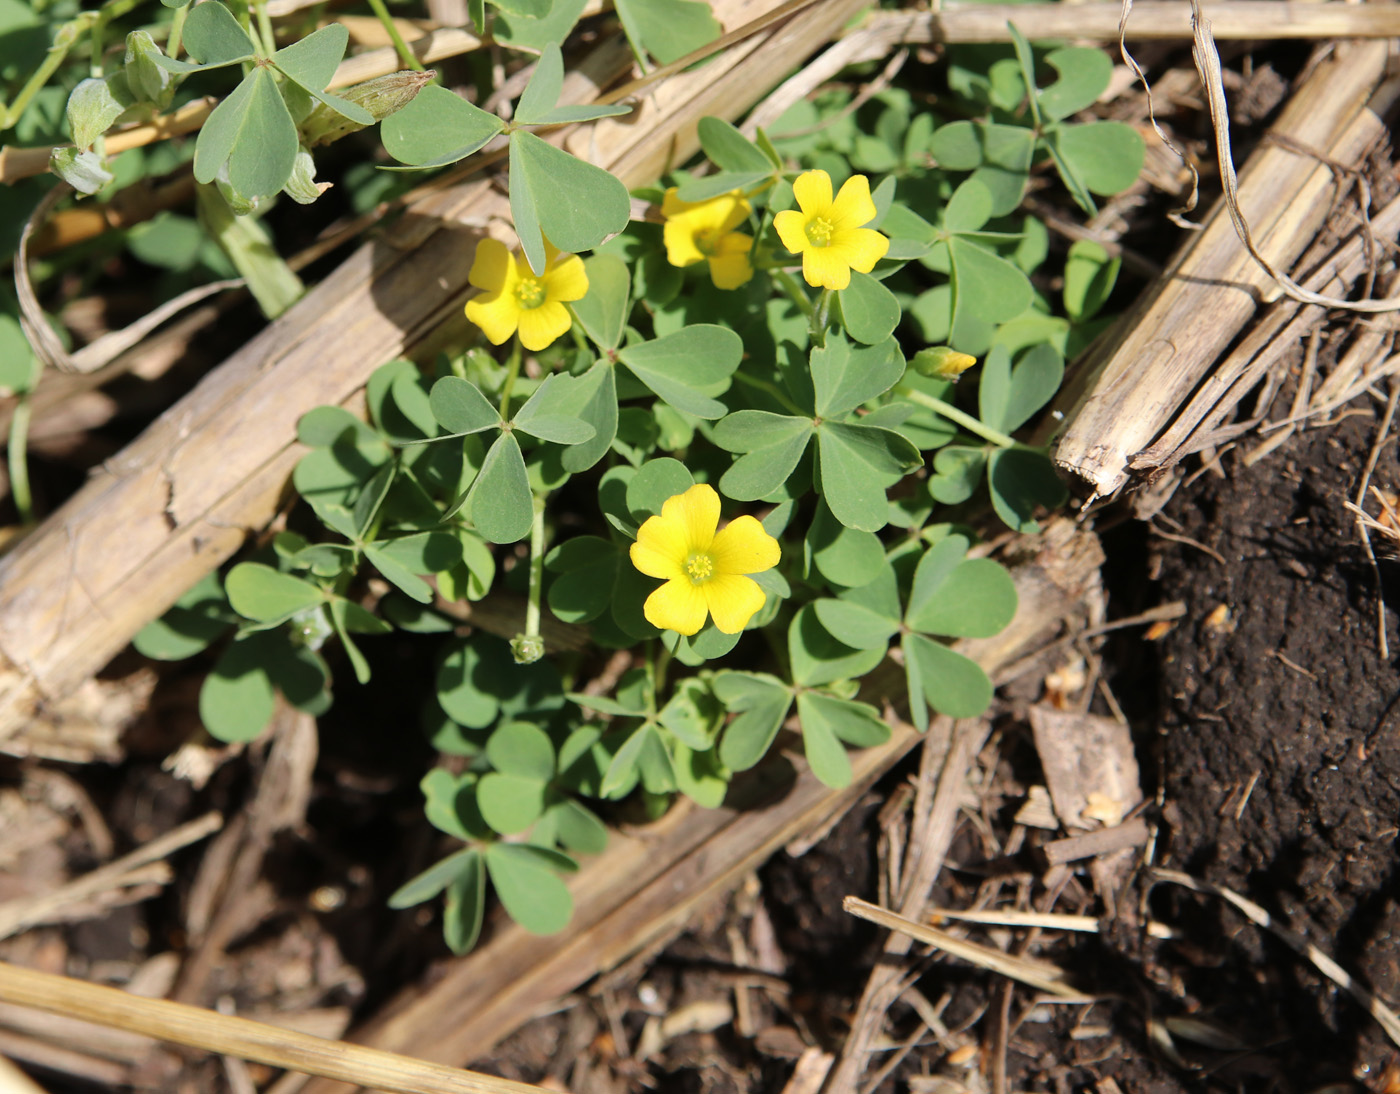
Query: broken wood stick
[(1123, 395)]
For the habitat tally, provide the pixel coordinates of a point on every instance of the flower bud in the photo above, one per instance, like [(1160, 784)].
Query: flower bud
[(942, 363)]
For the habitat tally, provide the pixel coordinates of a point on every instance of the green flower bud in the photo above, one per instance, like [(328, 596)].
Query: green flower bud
[(942, 363)]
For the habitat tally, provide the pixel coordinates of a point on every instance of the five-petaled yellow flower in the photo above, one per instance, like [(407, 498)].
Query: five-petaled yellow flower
[(827, 233), (705, 230), (514, 298), (705, 570)]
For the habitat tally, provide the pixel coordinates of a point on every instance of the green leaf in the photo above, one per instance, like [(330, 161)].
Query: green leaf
[(700, 776), (1106, 156), (273, 283), (855, 625), (957, 472), (1009, 397), (399, 575), (957, 597), (542, 92), (437, 128), (189, 625), (460, 407), (761, 703), (858, 724), (253, 133), (711, 186), (500, 502), (655, 482), (818, 658), (578, 827), (95, 104), (773, 444), (730, 150), (532, 892), (324, 426), (1084, 76), (846, 556), (479, 681), (985, 285), (532, 25), (668, 29), (686, 367), (969, 208), (945, 679), (237, 698), (587, 568), (510, 803), (263, 594), (557, 195), (603, 312), (999, 155), (844, 375), (523, 750), (595, 397), (549, 413), (857, 465), (869, 311), (465, 907), (1090, 274), (85, 171), (1021, 481), (826, 755), (570, 115), (213, 36), (446, 798), (434, 879), (310, 64)]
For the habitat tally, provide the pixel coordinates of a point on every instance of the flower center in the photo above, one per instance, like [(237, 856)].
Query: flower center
[(706, 240), (819, 231), (700, 567), (529, 293)]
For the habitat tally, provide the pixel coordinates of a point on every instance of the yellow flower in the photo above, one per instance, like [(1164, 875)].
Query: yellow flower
[(704, 569), (705, 230), (514, 298), (828, 234)]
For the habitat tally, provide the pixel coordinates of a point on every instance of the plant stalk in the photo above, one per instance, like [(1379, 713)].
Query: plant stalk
[(959, 417), (401, 47), (18, 452)]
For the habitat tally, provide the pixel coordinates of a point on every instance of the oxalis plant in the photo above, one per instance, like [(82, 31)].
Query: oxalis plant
[(732, 442)]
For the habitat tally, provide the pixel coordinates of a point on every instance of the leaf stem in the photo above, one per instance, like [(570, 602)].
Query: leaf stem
[(512, 371), (177, 31), (63, 41), (269, 40), (529, 645), (18, 452), (772, 390), (953, 414), (790, 286), (405, 54)]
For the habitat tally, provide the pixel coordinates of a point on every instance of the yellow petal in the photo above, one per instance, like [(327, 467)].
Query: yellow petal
[(792, 230), (853, 205), (541, 326), (671, 205), (491, 265), (813, 192), (680, 243), (732, 600), (495, 313), (731, 271), (743, 547), (825, 268), (736, 209), (860, 248), (660, 550), (566, 280), (697, 512), (679, 605)]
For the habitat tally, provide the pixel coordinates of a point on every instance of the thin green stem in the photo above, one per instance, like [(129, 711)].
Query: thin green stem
[(18, 451), (269, 40), (64, 40), (821, 318), (789, 285), (658, 677), (771, 390), (953, 414), (405, 54), (528, 646), (512, 372), (177, 30)]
